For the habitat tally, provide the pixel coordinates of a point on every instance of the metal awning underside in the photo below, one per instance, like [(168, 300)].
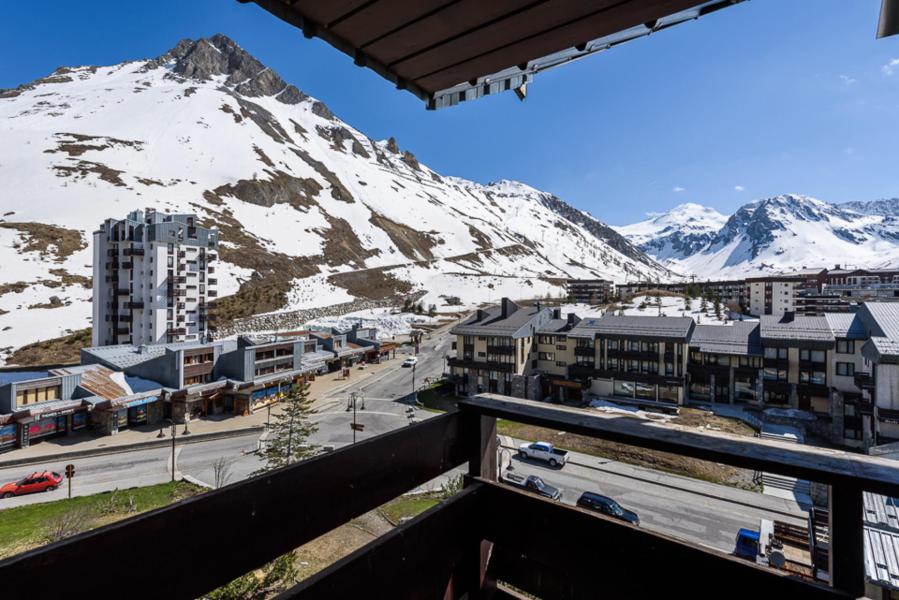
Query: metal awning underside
[(450, 51)]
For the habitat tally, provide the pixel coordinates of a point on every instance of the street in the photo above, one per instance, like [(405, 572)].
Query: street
[(699, 512), (694, 512)]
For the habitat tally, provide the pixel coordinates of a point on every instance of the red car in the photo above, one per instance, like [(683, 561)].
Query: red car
[(46, 481)]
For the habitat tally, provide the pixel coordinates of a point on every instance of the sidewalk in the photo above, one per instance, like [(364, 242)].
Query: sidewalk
[(325, 385)]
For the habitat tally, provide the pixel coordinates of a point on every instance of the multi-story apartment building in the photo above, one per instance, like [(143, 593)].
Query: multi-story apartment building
[(777, 294), (725, 363), (494, 347), (837, 372), (554, 352), (797, 363), (633, 358), (589, 291), (154, 279)]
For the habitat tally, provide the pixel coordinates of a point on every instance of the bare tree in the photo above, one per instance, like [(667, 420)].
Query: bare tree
[(221, 472), (67, 524)]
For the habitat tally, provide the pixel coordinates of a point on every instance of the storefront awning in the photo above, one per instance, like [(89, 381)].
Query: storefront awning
[(450, 52)]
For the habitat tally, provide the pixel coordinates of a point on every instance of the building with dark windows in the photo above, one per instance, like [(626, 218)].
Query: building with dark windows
[(589, 291), (640, 359), (725, 363), (494, 350), (555, 351), (797, 351)]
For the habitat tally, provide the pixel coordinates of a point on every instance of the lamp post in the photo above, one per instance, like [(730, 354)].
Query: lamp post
[(414, 399), (355, 397), (173, 434)]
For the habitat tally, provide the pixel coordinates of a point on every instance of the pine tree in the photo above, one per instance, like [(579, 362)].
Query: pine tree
[(703, 304), (717, 306), (290, 431), (688, 303)]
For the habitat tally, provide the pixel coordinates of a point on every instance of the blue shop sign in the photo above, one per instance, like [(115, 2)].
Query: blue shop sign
[(142, 401)]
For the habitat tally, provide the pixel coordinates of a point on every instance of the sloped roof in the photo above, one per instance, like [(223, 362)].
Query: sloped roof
[(649, 327), (799, 328), (846, 325), (448, 52), (883, 320), (741, 338), (490, 321)]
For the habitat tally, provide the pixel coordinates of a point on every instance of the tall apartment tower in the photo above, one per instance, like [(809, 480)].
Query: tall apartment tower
[(153, 279)]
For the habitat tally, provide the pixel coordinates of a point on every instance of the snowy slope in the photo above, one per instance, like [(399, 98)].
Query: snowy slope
[(677, 233), (312, 212), (781, 233)]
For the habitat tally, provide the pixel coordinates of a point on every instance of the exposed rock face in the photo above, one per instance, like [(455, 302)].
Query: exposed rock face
[(219, 55), (392, 145)]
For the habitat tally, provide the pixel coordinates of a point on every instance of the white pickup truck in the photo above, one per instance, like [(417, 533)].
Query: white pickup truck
[(544, 451)]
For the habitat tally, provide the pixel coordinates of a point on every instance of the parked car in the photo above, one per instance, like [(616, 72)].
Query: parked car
[(534, 484), (46, 481), (607, 506), (544, 451), (411, 361)]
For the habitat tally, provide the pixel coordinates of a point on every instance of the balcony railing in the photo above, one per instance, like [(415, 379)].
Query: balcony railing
[(863, 380), (584, 351), (477, 364), (510, 349), (472, 544)]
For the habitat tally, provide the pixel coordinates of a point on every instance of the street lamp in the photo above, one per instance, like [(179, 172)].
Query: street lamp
[(173, 434)]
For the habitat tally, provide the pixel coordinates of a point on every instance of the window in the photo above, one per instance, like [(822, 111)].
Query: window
[(845, 369), (561, 363), (750, 361), (623, 388), (775, 374), (546, 356), (818, 356), (777, 353), (813, 377), (845, 347), (645, 391)]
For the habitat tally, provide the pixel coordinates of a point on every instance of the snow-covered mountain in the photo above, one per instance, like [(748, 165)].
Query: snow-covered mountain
[(679, 232), (311, 211), (780, 233)]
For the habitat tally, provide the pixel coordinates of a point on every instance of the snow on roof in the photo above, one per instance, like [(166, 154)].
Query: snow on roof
[(740, 338)]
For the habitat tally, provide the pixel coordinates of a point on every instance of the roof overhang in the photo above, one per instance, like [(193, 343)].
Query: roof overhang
[(446, 51)]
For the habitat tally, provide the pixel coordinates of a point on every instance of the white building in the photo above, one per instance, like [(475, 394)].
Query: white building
[(777, 294), (153, 279)]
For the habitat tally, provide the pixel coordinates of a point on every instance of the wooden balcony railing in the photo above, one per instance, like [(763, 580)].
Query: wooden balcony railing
[(465, 546)]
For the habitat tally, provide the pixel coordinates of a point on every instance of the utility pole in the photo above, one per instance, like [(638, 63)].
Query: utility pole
[(173, 452)]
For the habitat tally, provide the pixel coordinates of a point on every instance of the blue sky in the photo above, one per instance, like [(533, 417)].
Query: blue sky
[(766, 97)]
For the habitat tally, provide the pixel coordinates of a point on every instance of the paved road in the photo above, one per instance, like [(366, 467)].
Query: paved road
[(691, 516), (396, 382)]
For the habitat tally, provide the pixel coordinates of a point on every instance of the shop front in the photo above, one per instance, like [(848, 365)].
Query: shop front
[(8, 436), (41, 423)]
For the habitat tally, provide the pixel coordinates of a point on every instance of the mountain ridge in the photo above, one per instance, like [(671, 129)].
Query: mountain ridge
[(783, 232), (311, 210)]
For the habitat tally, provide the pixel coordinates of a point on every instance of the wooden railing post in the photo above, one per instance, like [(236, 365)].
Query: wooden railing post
[(479, 439), (847, 547)]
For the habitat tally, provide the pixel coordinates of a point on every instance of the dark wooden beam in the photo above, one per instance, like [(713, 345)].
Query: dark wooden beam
[(834, 467), (416, 560), (552, 550), (196, 545)]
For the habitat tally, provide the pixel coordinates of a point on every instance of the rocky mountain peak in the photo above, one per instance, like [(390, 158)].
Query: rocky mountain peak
[(207, 58)]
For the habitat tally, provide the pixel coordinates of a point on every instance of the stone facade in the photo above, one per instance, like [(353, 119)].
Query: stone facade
[(295, 319)]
